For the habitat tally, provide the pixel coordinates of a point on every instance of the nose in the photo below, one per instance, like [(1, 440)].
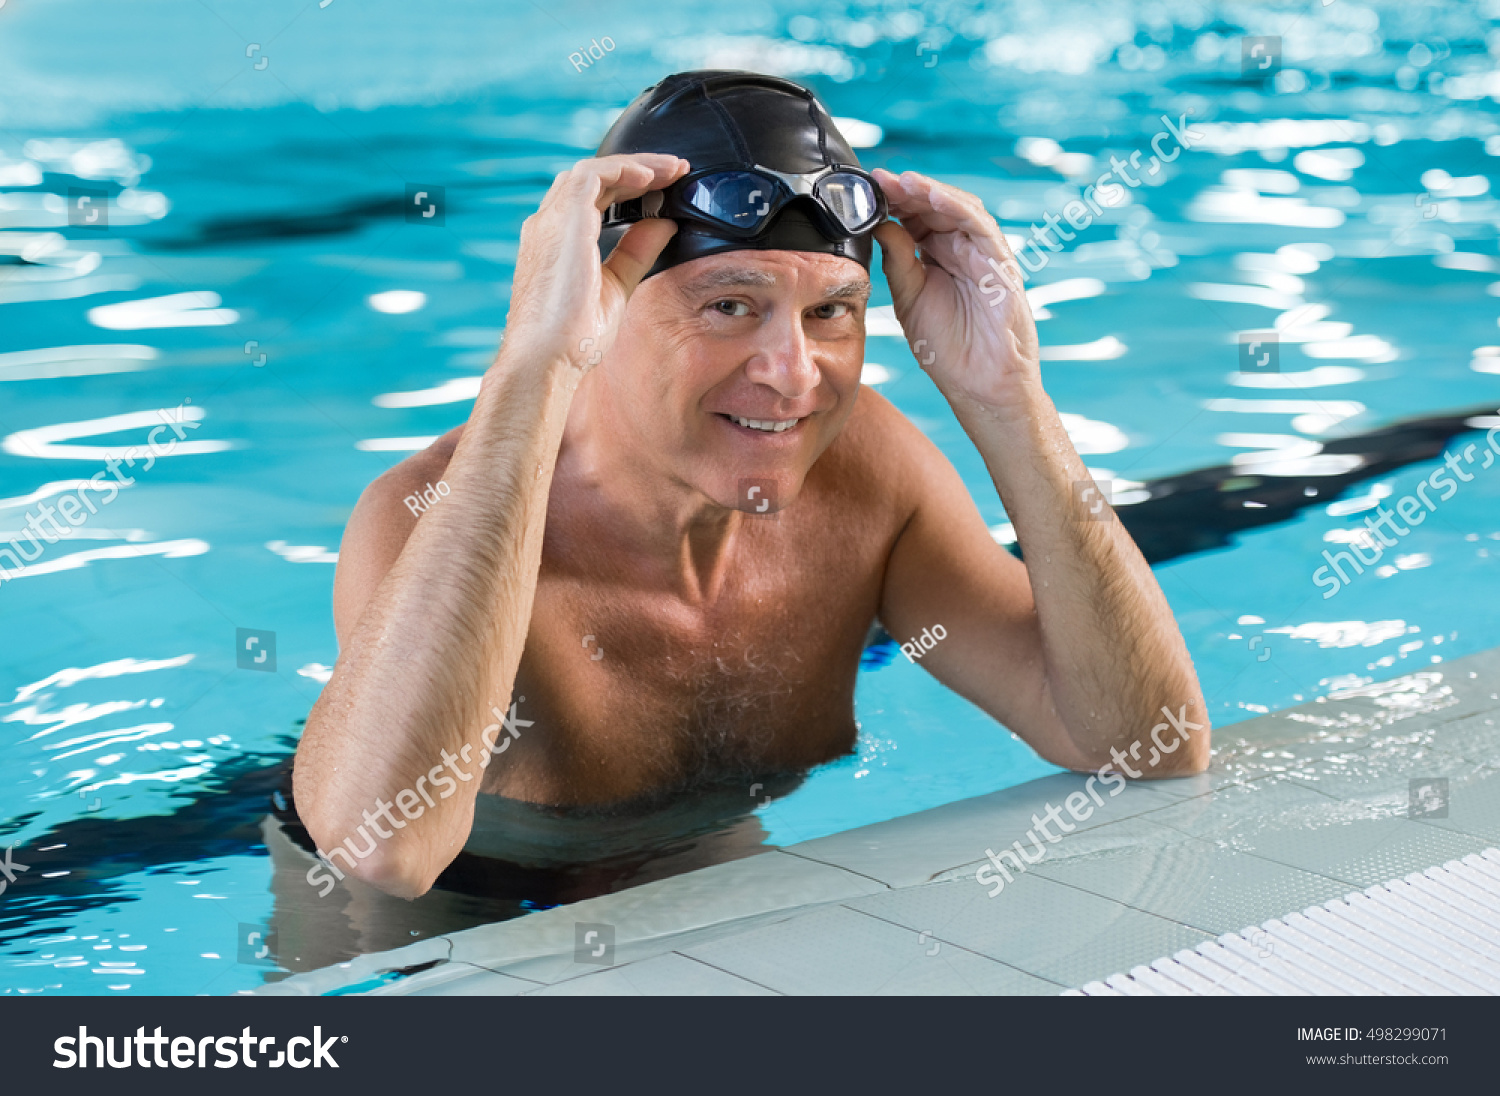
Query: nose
[(783, 359)]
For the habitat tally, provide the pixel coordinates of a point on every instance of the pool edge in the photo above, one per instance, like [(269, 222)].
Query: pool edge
[(719, 929)]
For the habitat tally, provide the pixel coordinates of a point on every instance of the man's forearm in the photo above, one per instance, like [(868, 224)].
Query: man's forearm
[(1113, 653), (439, 643)]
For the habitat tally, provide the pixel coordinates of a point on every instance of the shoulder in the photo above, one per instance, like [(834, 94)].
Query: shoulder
[(883, 452), (382, 520), (412, 476)]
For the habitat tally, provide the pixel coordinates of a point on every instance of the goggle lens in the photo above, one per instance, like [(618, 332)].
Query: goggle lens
[(850, 198), (746, 199), (738, 198)]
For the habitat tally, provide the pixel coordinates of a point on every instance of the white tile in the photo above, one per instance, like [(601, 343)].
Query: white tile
[(841, 952), (724, 892), (456, 980), (1199, 883), (1047, 929), (919, 847), (667, 975)]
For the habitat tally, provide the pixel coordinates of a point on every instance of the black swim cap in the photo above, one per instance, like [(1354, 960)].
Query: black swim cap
[(723, 119)]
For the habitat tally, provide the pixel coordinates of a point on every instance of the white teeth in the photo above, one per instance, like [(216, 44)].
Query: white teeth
[(768, 425)]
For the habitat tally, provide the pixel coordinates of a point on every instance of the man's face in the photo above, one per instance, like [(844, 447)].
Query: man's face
[(712, 346)]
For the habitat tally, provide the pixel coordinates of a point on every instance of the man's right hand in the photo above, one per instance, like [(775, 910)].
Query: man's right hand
[(436, 612), (566, 304)]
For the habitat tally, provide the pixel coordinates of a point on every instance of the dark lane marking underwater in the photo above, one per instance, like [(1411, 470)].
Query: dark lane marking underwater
[(1200, 511)]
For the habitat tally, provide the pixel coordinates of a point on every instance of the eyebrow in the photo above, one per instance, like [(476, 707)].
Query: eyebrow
[(726, 277), (858, 290)]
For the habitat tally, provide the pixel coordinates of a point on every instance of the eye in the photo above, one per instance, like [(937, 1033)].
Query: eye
[(731, 308), (832, 310)]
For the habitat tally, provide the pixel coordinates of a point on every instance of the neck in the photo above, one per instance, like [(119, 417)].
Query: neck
[(657, 529)]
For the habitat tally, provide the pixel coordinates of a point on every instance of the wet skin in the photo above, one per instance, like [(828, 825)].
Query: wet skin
[(735, 652), (602, 488)]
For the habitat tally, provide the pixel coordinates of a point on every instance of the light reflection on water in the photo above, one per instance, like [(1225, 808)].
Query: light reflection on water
[(256, 254)]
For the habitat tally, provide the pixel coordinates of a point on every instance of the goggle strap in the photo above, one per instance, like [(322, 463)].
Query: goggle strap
[(635, 209)]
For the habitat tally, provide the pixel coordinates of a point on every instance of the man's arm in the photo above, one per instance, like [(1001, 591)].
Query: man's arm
[(1076, 650), (439, 638)]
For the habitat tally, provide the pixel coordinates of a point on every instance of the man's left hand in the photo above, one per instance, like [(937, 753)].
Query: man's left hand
[(961, 302)]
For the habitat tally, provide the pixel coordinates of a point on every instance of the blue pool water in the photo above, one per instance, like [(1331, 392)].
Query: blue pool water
[(1347, 198)]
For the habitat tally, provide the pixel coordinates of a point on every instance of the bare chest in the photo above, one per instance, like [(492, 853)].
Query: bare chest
[(631, 693)]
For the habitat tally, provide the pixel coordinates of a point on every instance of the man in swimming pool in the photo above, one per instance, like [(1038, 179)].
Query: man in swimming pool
[(673, 514)]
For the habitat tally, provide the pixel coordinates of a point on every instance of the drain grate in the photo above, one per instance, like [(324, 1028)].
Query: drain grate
[(1432, 933)]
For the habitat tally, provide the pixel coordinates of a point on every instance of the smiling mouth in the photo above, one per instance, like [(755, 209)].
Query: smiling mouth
[(765, 426)]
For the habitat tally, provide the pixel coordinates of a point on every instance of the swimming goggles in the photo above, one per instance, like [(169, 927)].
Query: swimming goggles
[(740, 202)]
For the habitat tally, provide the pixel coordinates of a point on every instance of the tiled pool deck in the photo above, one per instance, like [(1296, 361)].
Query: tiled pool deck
[(1299, 807)]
